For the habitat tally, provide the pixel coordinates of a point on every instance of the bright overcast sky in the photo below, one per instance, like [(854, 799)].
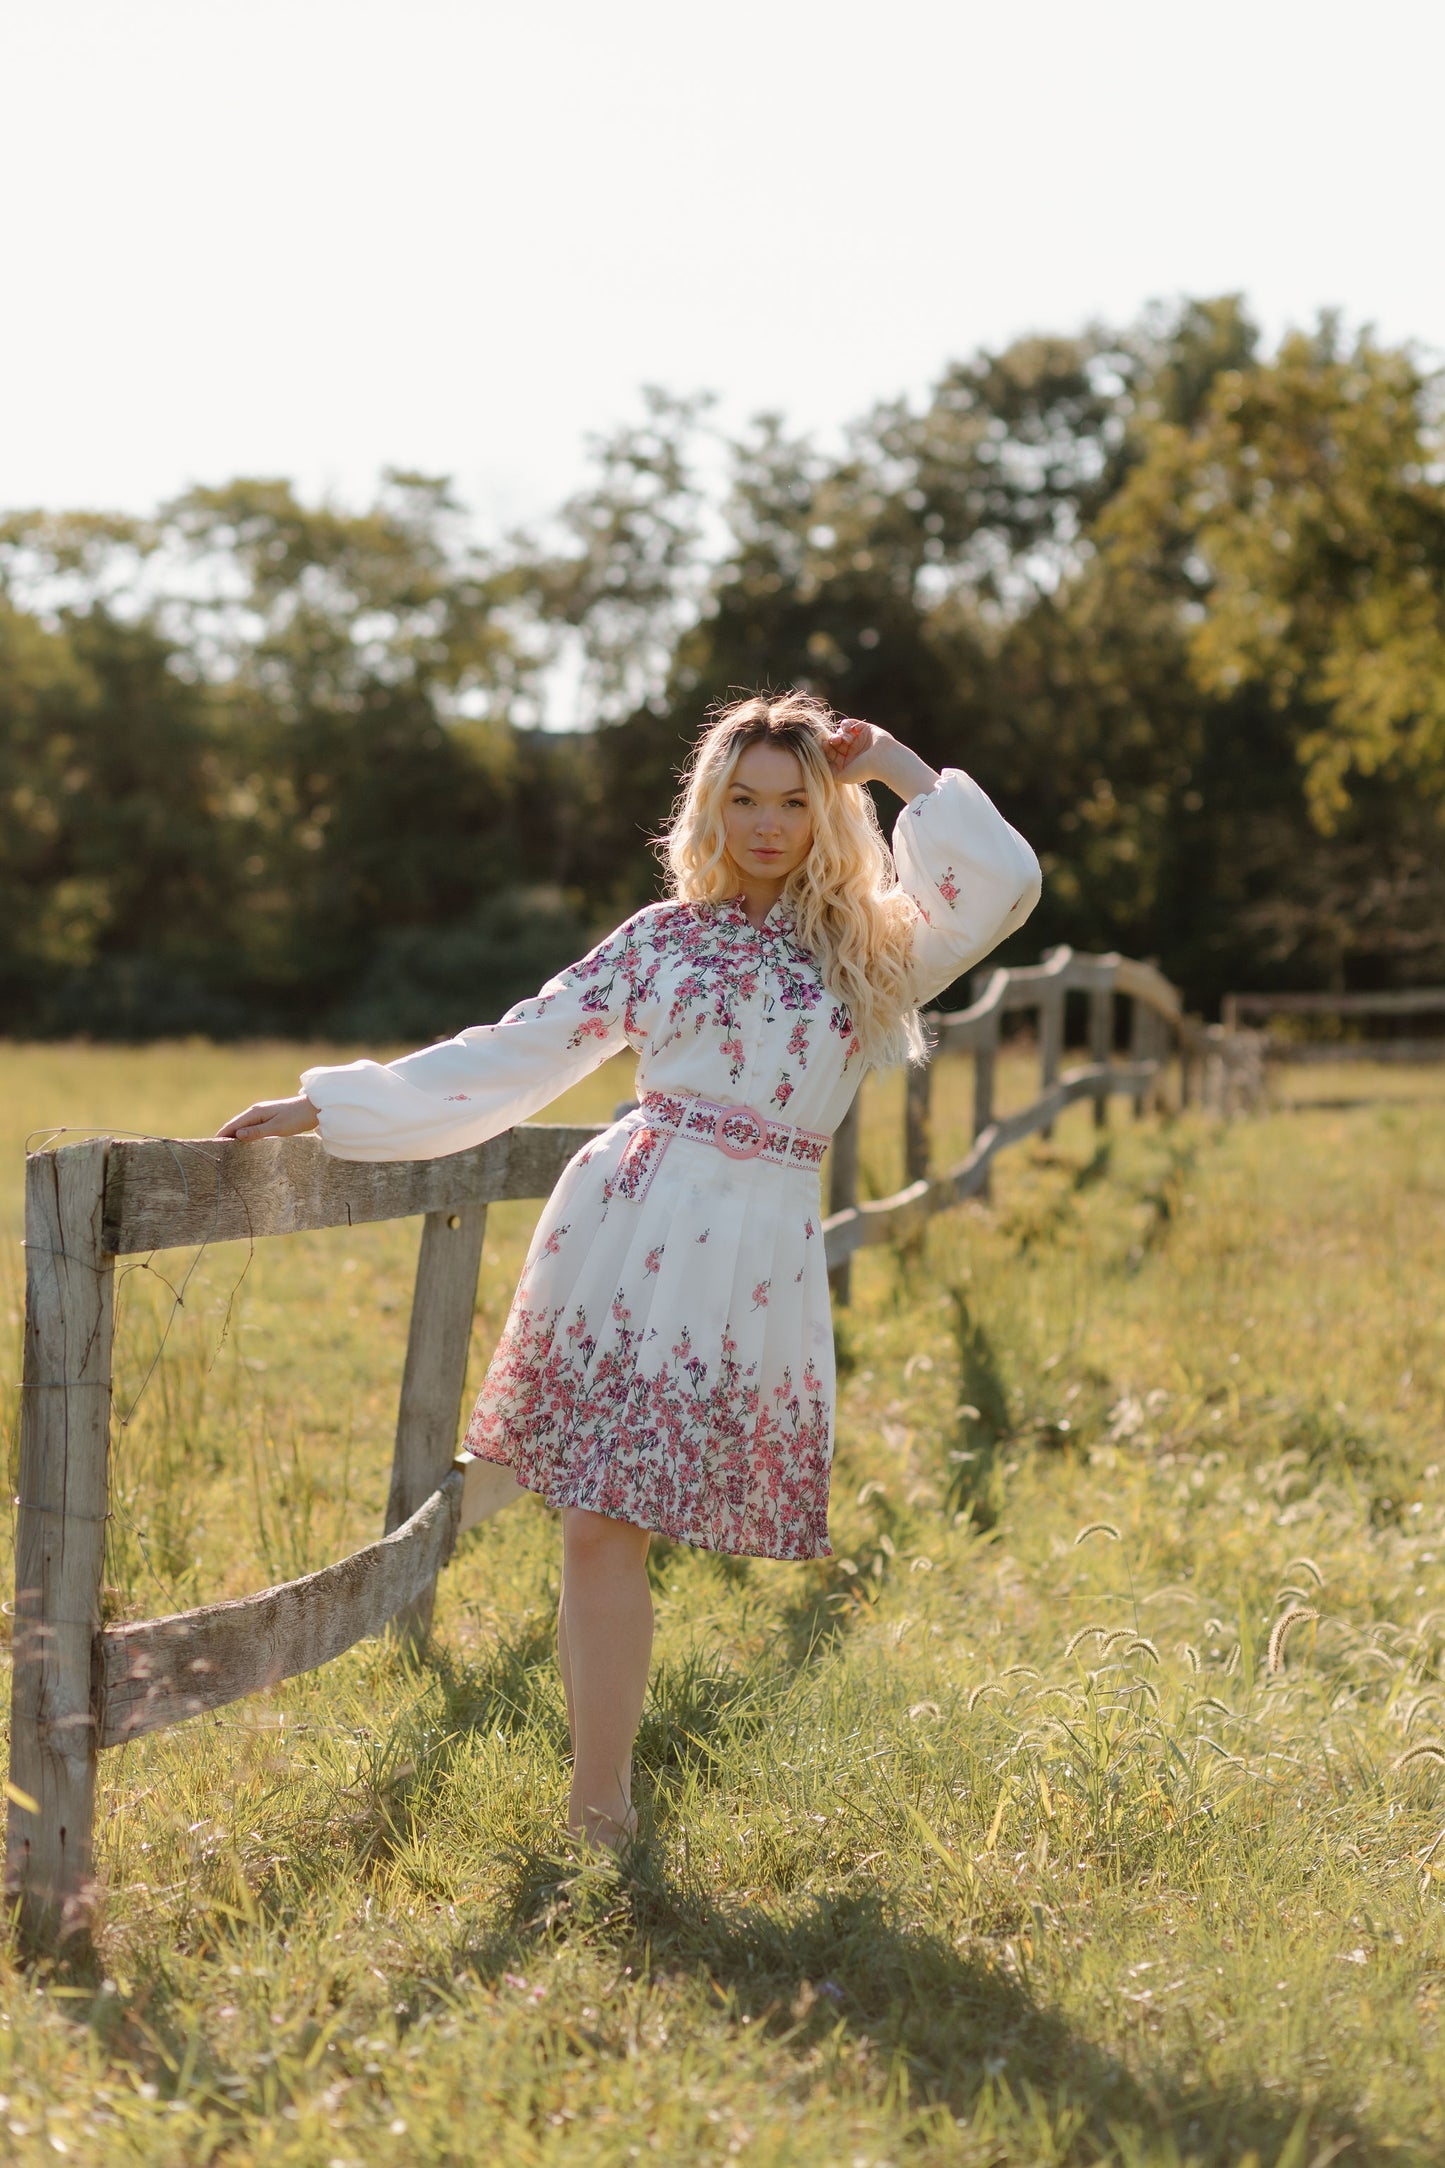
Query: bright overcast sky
[(317, 237)]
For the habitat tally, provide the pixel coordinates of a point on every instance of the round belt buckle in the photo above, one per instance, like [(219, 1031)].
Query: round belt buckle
[(736, 1114)]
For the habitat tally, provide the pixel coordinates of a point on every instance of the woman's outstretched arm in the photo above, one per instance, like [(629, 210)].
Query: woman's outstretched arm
[(462, 1091), (272, 1118)]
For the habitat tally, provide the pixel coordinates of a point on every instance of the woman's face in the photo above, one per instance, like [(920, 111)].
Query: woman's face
[(766, 822)]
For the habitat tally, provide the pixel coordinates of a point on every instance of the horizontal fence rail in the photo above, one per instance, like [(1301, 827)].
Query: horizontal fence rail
[(859, 1226), (1396, 1002), (1401, 1001), (163, 1670), (80, 1686), (1217, 1069), (166, 1195)]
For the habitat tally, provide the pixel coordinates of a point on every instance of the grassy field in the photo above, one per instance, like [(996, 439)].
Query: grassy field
[(993, 1839)]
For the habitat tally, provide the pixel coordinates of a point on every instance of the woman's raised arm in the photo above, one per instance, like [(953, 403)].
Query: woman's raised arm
[(973, 877)]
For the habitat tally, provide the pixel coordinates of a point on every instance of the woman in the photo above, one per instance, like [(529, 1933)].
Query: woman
[(667, 1364)]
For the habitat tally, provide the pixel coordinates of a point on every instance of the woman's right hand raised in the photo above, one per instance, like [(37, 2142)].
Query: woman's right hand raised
[(271, 1118)]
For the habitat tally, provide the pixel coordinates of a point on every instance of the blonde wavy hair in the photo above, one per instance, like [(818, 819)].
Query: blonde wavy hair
[(847, 906)]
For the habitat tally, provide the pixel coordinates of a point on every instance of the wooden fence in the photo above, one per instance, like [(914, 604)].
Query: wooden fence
[(1240, 1010), (1217, 1069), (79, 1685)]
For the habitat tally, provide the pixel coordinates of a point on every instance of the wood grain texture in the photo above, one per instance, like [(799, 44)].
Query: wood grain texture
[(160, 1671), (432, 1381), (168, 1193), (59, 1540)]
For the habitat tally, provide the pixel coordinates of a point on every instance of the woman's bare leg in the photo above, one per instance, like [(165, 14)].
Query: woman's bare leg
[(604, 1644)]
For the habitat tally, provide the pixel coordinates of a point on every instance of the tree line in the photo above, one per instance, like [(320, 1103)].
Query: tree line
[(1178, 601)]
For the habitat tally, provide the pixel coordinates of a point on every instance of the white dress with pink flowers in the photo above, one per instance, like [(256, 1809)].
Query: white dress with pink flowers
[(668, 1356)]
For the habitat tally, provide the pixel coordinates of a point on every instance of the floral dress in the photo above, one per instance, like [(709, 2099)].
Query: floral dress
[(668, 1356)]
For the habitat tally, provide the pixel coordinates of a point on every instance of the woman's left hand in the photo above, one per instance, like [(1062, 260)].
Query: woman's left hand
[(860, 752), (850, 746)]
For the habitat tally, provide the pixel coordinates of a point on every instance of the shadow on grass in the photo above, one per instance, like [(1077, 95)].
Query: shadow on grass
[(400, 1771), (815, 1621), (984, 1425), (968, 2029), (693, 1705), (508, 1691)]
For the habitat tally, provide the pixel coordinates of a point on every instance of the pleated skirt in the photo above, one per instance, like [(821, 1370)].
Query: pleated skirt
[(668, 1355)]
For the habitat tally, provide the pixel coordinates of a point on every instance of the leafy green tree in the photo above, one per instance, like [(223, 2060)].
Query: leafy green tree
[(1302, 513), (119, 853), (1180, 602), (290, 737)]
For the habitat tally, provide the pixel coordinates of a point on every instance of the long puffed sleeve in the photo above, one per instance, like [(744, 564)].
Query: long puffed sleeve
[(464, 1090), (972, 876)]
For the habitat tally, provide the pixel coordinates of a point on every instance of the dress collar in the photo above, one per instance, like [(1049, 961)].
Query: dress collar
[(780, 918)]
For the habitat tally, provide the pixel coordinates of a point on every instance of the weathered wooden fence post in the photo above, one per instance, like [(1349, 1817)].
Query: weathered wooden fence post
[(62, 1510), (1051, 1036), (1211, 1087), (1161, 1042), (985, 1077), (917, 1104), (843, 1189), (433, 1379), (1101, 1041), (1145, 1044)]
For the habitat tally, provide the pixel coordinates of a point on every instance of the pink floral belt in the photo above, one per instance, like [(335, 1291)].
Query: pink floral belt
[(740, 1132)]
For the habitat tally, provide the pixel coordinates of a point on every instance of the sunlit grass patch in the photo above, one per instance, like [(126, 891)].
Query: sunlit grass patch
[(1088, 1804)]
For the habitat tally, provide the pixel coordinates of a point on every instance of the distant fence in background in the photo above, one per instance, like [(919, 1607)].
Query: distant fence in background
[(80, 1686), (1211, 1065), (1355, 1019)]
